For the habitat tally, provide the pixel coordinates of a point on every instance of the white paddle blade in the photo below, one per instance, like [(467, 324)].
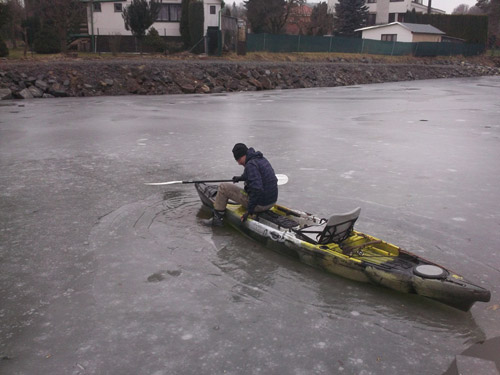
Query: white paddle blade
[(282, 179), (162, 183)]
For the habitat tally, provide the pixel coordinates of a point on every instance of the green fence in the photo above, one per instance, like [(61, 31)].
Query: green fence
[(301, 43)]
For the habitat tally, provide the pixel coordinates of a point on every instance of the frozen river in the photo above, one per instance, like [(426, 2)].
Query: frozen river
[(100, 274)]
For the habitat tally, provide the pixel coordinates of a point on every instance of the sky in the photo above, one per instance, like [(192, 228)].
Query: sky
[(446, 5)]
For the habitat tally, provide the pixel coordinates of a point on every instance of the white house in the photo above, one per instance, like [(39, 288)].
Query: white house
[(386, 11), (402, 32), (104, 17)]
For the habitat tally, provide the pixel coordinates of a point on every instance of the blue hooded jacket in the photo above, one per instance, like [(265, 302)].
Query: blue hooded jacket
[(261, 183)]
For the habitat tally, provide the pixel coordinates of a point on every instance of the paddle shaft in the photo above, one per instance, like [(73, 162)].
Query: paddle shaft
[(204, 181), (282, 179)]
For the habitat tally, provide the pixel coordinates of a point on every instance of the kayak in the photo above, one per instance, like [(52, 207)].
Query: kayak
[(332, 244)]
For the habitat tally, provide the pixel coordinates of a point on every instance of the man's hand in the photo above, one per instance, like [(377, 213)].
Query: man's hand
[(237, 179)]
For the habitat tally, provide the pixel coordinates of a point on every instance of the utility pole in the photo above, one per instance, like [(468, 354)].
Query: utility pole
[(429, 7)]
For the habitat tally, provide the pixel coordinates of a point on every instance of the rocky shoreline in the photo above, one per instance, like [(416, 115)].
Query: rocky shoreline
[(26, 80)]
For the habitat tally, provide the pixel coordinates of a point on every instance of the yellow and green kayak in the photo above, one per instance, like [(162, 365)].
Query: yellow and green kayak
[(334, 246)]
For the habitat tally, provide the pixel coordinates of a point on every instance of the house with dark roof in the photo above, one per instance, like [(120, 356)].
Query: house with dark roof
[(402, 32)]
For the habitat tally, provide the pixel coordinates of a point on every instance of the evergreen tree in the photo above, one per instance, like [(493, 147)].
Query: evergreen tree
[(154, 41), (139, 16), (321, 21), (349, 16), (411, 17), (257, 15), (47, 40), (184, 24), (196, 24)]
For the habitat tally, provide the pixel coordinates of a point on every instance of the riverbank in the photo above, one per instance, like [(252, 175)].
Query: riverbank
[(148, 75)]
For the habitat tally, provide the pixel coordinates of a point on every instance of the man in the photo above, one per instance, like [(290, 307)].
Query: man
[(261, 186)]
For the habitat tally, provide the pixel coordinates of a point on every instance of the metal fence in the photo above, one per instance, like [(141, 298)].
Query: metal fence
[(301, 43)]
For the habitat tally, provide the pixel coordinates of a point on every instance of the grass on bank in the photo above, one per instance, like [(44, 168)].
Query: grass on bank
[(17, 54)]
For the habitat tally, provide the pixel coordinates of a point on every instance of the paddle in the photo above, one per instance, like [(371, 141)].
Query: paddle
[(282, 180)]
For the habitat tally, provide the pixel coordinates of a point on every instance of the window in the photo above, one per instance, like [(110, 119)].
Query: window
[(395, 1), (371, 1), (118, 7), (169, 13), (389, 37), (392, 17), (212, 9), (97, 7), (371, 20)]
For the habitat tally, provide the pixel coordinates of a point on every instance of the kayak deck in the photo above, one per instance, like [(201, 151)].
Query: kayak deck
[(356, 255)]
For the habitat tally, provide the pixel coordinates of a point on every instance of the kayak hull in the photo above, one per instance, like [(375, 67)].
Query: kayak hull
[(375, 261)]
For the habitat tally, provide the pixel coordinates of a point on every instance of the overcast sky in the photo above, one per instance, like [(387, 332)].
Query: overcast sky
[(446, 5)]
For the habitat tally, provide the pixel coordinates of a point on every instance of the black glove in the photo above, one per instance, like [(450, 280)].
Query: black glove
[(237, 179), (244, 217)]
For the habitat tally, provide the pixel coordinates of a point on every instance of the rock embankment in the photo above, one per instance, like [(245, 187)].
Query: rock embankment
[(156, 77)]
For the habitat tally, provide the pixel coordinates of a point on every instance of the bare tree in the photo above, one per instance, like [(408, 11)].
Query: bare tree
[(461, 9), (238, 11), (476, 11), (298, 20), (269, 16)]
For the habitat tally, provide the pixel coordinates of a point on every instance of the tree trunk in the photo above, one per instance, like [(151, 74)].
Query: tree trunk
[(25, 41)]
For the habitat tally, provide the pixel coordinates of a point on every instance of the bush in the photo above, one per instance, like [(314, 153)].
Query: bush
[(184, 24), (4, 51), (47, 41), (174, 47), (31, 27), (154, 41), (196, 22)]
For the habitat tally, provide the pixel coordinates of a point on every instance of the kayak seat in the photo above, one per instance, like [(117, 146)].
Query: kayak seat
[(335, 230)]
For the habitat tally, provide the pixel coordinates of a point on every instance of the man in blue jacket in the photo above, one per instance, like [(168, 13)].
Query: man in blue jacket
[(261, 186)]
